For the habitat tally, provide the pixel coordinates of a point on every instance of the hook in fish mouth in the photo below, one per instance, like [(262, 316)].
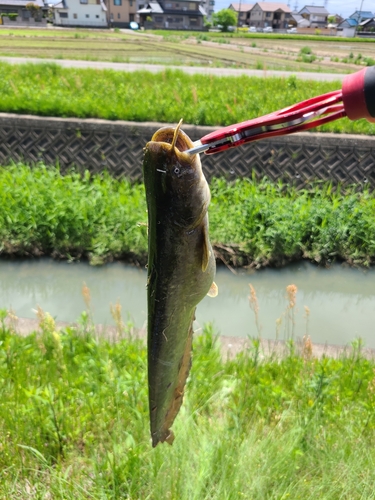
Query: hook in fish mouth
[(176, 132), (175, 138)]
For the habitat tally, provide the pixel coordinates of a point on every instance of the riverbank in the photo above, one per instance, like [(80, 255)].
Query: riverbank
[(75, 425), (229, 347), (252, 223)]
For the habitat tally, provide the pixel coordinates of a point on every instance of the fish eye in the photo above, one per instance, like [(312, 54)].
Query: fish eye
[(176, 170)]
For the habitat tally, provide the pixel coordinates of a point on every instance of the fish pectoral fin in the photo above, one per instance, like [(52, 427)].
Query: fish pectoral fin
[(213, 291), (170, 438), (206, 249)]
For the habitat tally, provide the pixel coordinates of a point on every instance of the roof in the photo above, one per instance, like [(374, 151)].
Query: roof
[(366, 21), (362, 14), (303, 23), (314, 9), (273, 6), (150, 8), (245, 7), (21, 3), (349, 23)]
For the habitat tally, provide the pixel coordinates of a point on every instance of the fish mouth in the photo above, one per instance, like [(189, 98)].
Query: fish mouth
[(175, 138)]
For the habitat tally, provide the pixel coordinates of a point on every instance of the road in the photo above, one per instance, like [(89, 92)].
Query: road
[(155, 68)]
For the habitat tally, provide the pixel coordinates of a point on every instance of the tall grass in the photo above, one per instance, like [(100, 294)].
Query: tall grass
[(74, 422), (274, 223), (43, 212), (49, 90), (251, 222)]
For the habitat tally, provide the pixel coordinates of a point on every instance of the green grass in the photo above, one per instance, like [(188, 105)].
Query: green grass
[(70, 216), (251, 222), (49, 90), (243, 34), (74, 422), (275, 223)]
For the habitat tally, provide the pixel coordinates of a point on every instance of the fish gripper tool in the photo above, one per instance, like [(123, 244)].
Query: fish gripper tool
[(355, 100)]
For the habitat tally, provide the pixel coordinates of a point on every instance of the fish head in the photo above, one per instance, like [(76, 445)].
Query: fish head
[(174, 178)]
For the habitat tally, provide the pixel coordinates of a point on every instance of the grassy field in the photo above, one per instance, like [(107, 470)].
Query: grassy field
[(192, 48), (163, 97), (251, 223), (74, 421)]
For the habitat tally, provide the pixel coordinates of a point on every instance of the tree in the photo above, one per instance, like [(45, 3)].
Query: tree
[(224, 18), (33, 8)]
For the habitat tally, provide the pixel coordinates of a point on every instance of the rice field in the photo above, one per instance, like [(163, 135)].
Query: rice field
[(188, 48)]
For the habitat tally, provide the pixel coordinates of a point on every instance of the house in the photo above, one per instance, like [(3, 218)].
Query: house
[(171, 14), (264, 14), (83, 13), (367, 26), (317, 16), (348, 23), (15, 13), (298, 21), (120, 13), (347, 28), (209, 7), (243, 11), (359, 16)]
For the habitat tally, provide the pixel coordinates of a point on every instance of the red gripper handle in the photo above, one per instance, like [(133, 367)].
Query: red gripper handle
[(358, 94)]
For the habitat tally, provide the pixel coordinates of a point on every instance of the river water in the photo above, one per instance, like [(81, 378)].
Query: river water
[(340, 300)]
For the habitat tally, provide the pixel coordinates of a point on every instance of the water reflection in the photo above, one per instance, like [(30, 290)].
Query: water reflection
[(341, 299)]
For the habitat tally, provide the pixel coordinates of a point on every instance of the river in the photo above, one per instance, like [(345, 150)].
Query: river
[(340, 300)]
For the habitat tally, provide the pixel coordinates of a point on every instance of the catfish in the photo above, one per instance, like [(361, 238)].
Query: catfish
[(181, 269)]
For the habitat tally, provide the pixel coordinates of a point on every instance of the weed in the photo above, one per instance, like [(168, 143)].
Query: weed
[(137, 97), (292, 421), (202, 37), (306, 55), (254, 306), (80, 35), (369, 61), (98, 217)]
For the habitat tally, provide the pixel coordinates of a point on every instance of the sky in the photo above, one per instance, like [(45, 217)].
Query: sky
[(343, 7)]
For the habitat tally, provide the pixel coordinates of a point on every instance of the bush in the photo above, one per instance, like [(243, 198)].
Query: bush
[(33, 8), (11, 15)]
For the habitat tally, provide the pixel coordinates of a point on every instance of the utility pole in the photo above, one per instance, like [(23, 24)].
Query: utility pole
[(239, 15), (359, 16)]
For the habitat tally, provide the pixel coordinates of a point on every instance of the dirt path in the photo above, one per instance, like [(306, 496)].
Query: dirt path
[(156, 68)]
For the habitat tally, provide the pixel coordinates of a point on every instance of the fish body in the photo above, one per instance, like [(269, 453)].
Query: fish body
[(181, 269)]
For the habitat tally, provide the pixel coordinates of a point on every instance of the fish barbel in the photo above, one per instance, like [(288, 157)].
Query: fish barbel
[(181, 269)]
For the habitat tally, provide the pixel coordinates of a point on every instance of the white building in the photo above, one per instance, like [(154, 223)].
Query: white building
[(316, 15), (85, 13)]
